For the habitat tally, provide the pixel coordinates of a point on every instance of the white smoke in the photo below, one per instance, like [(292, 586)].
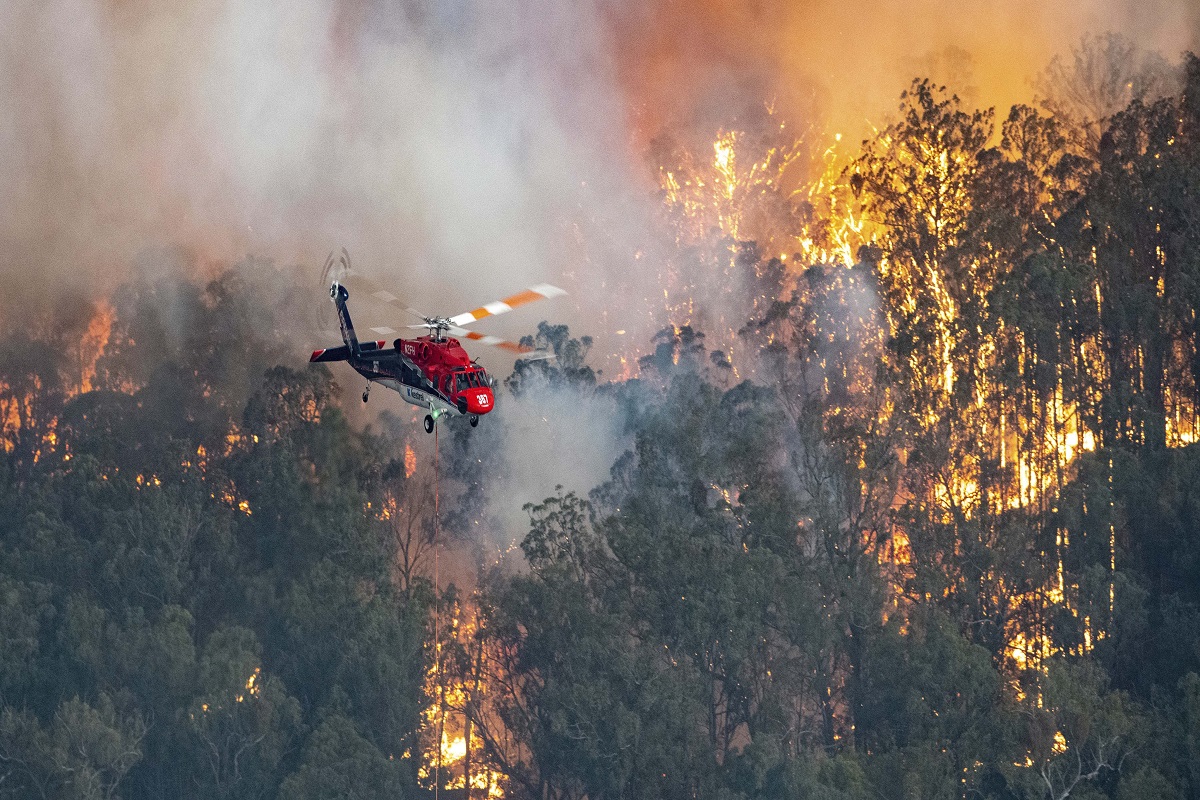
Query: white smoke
[(551, 437), (457, 149), (461, 149)]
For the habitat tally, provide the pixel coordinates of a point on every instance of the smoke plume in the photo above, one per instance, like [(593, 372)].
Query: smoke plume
[(458, 149)]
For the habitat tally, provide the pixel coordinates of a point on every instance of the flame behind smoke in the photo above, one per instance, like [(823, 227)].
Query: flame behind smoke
[(692, 66)]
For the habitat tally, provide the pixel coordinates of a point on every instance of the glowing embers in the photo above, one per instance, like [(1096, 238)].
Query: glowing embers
[(898, 550), (251, 689), (32, 395), (236, 441), (22, 413), (1182, 423), (253, 685), (1026, 652), (224, 490), (837, 227), (1027, 632), (956, 495), (1040, 446), (747, 212), (228, 496), (10, 415), (768, 187)]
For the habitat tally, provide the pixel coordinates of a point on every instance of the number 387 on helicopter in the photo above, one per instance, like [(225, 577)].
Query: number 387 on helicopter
[(433, 371)]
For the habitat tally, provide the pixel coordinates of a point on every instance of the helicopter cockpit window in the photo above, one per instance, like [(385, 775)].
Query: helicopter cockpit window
[(462, 381)]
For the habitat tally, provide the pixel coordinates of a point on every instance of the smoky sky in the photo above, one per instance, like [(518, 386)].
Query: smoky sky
[(459, 149), (450, 144), (842, 63)]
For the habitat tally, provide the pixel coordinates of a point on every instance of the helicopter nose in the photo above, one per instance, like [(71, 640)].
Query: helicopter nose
[(479, 401)]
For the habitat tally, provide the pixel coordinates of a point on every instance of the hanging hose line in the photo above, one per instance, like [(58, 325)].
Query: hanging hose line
[(437, 645)]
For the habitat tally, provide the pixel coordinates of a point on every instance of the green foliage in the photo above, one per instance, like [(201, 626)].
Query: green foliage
[(933, 699), (562, 362), (192, 580), (243, 721), (339, 762), (83, 752), (1190, 689)]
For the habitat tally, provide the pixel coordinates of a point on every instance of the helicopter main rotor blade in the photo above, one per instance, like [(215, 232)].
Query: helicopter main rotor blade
[(357, 282), (542, 291), (483, 338)]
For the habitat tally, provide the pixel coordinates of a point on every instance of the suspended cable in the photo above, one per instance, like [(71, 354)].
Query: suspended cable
[(437, 644)]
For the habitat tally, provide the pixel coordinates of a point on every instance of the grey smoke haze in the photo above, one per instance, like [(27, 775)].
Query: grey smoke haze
[(548, 437), (454, 148), (458, 149)]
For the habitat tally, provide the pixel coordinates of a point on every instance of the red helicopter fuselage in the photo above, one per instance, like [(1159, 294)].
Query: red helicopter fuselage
[(446, 365)]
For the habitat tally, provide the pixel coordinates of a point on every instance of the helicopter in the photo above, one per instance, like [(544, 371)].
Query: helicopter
[(433, 371)]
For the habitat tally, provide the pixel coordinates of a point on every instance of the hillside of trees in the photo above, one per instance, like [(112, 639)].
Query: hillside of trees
[(922, 526)]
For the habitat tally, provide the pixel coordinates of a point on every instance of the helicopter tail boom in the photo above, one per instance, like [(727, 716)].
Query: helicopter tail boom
[(352, 348), (339, 295)]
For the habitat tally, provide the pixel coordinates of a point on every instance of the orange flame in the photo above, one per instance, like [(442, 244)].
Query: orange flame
[(94, 341)]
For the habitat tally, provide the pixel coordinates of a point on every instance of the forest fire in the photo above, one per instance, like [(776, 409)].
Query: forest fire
[(410, 460), (1036, 445), (890, 494), (1006, 454), (19, 405)]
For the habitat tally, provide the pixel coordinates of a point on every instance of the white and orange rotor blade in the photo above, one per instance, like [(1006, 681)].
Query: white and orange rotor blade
[(494, 341), (542, 291), (356, 282)]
